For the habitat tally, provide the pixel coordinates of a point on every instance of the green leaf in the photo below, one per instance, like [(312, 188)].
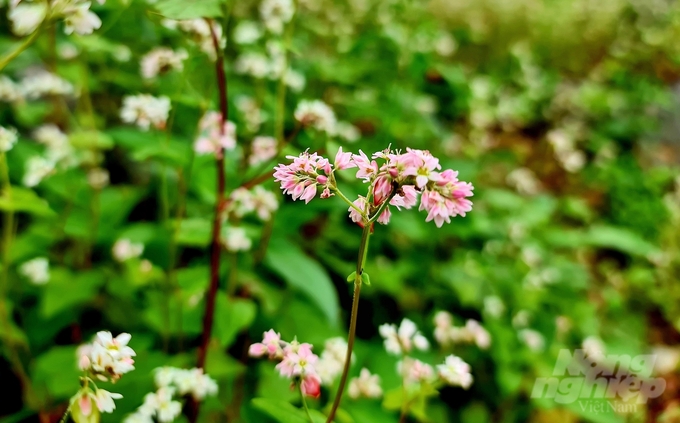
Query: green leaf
[(281, 411), (232, 316), (352, 276), (65, 290), (305, 274), (194, 232), (620, 239), (24, 200), (189, 9), (57, 370), (366, 279), (91, 140)]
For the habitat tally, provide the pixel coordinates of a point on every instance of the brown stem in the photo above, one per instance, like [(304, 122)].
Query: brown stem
[(216, 248)]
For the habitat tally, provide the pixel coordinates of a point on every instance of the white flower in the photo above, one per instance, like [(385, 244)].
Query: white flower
[(122, 53), (109, 357), (532, 339), (9, 91), (80, 19), (295, 80), (104, 400), (332, 360), (211, 139), (415, 371), (195, 382), (366, 385), (262, 149), (37, 168), (67, 51), (26, 17), (236, 239), (276, 13), (524, 181), (265, 202), (494, 306), (403, 340), (124, 250), (456, 372), (161, 405), (445, 45), (43, 83), (36, 270), (252, 113), (138, 418), (98, 178), (241, 202), (594, 348), (317, 114), (572, 161), (347, 131), (478, 334), (254, 64), (247, 32), (162, 59), (145, 110), (165, 376), (8, 137)]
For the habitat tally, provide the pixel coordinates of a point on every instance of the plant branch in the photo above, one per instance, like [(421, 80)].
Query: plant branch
[(361, 259), (7, 58), (304, 403)]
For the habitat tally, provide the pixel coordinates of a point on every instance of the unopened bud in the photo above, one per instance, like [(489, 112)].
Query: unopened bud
[(322, 179)]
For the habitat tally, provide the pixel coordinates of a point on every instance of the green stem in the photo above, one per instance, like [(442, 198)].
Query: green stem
[(361, 260), (66, 413), (7, 58), (304, 403), (346, 200)]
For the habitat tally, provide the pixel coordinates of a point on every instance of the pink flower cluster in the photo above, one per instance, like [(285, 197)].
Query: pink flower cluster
[(297, 361), (398, 179), (212, 139)]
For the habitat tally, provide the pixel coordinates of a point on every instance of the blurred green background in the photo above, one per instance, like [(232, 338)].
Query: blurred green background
[(562, 113)]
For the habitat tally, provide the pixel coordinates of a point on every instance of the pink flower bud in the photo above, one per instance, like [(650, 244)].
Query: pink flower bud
[(321, 179), (84, 362)]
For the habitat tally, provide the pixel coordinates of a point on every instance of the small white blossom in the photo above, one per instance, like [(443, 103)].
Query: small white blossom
[(43, 83), (145, 110), (247, 32), (138, 418), (276, 13), (98, 178), (162, 59), (294, 80), (366, 386), (524, 181), (9, 90), (26, 17), (194, 382), (455, 372), (254, 64), (8, 137), (161, 405), (104, 400), (265, 203), (317, 114), (212, 140), (262, 149), (124, 250), (36, 270), (251, 112), (236, 239), (37, 168), (108, 357), (414, 371), (494, 306), (532, 339), (80, 19), (594, 348), (403, 340)]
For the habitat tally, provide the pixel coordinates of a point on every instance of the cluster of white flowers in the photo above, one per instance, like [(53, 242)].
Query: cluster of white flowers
[(317, 114), (187, 381), (10, 92), (532, 339), (563, 143), (262, 149), (36, 270), (211, 138), (236, 239), (160, 60), (43, 83), (159, 405), (257, 200), (107, 358), (403, 340), (455, 372), (247, 32), (36, 169), (446, 333), (365, 386), (332, 360), (254, 64), (594, 348), (59, 150), (200, 30), (8, 137), (276, 13), (26, 17), (124, 250), (145, 110), (252, 114), (415, 371), (524, 181)]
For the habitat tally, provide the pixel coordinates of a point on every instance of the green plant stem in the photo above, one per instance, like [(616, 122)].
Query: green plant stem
[(346, 200), (361, 260), (66, 413), (304, 403), (7, 58)]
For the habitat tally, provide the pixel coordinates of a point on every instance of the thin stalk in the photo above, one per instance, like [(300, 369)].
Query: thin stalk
[(304, 403), (7, 58), (346, 200), (361, 260)]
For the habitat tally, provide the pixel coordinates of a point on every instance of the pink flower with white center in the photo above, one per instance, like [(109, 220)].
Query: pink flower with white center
[(407, 197), (343, 160), (212, 140), (423, 166), (311, 385), (367, 168), (414, 371), (354, 214), (270, 345), (300, 178), (298, 360)]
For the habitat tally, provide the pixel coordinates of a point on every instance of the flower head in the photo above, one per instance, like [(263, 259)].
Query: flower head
[(455, 372), (36, 270), (404, 339), (145, 110), (8, 137), (366, 385)]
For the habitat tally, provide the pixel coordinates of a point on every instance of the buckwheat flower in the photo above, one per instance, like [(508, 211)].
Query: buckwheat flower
[(104, 400), (124, 250), (59, 150), (415, 371), (594, 348), (403, 340), (532, 339), (252, 114), (98, 178), (165, 376), (298, 360), (122, 53), (276, 13), (446, 199), (110, 357), (294, 80), (366, 386), (212, 139), (242, 202), (145, 110), (343, 160), (270, 345), (455, 372), (67, 51), (161, 60), (8, 137), (200, 30), (161, 405), (407, 197), (247, 32), (367, 168), (317, 114), (332, 360), (37, 270), (138, 418), (524, 181), (478, 334), (443, 321), (26, 17), (80, 19), (301, 178), (37, 168), (44, 83), (254, 64), (236, 239), (347, 131), (195, 383), (311, 385), (265, 202), (354, 214), (262, 149), (9, 90), (572, 161), (83, 407), (494, 306), (423, 166)]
